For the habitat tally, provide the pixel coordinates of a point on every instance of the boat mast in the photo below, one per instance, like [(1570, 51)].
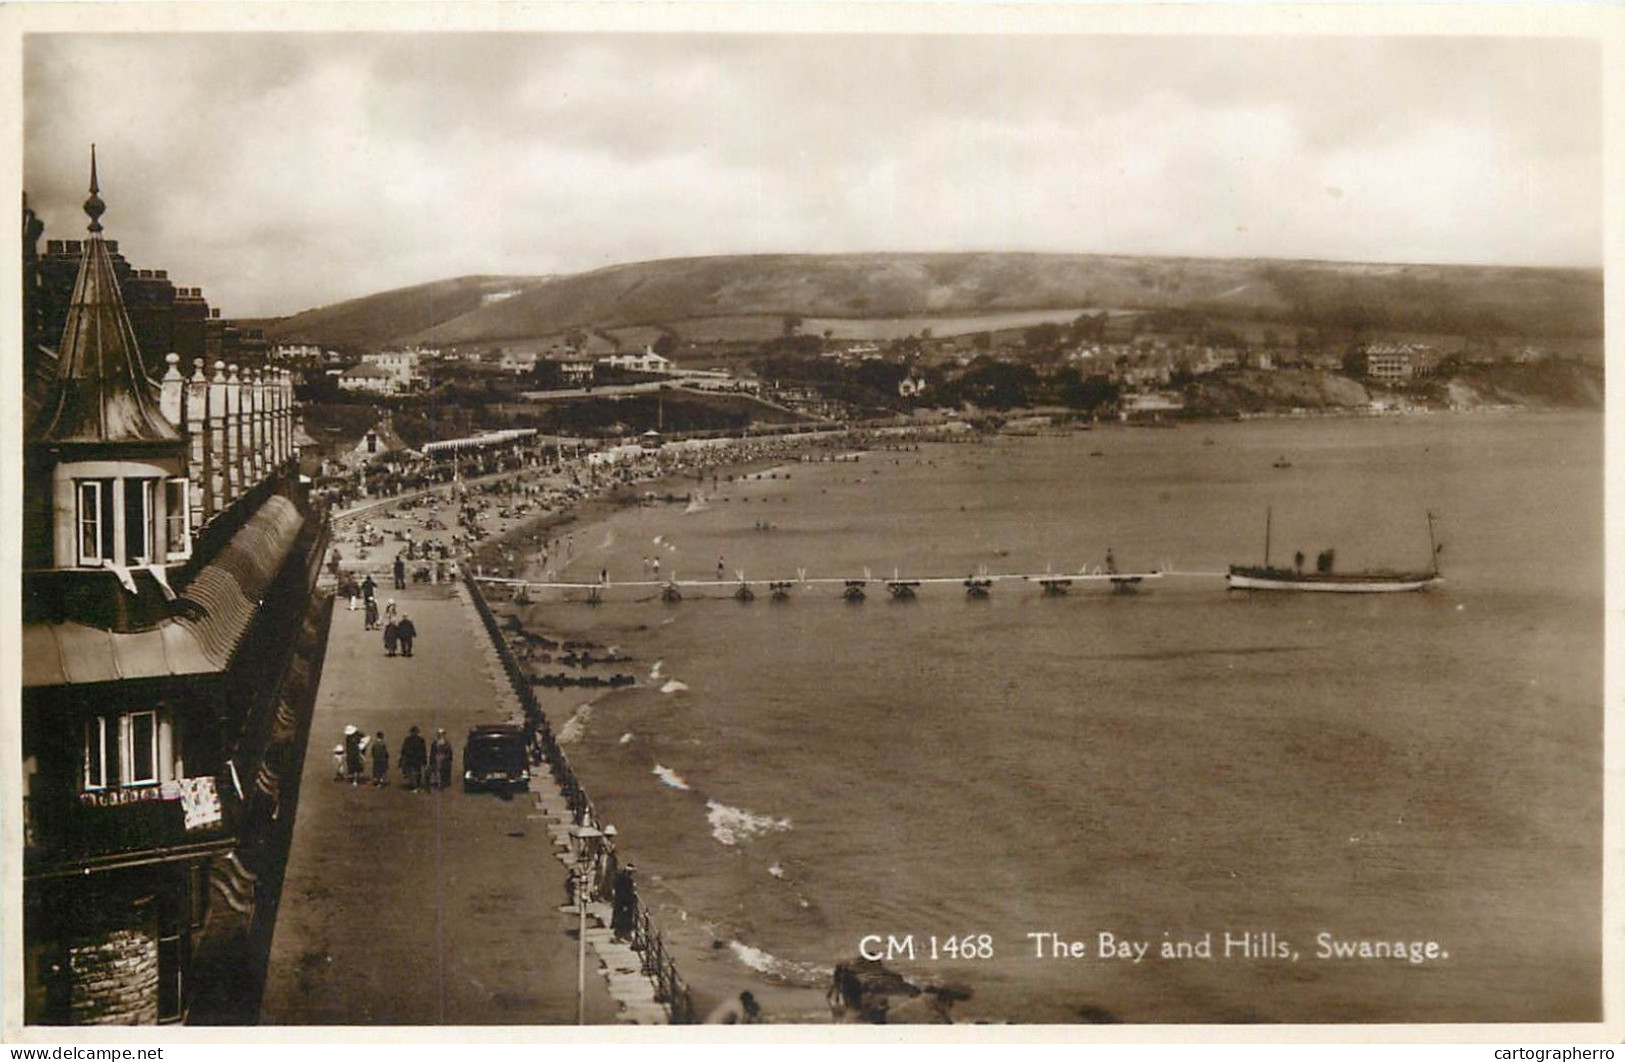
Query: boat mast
[(1267, 514), (1433, 547)]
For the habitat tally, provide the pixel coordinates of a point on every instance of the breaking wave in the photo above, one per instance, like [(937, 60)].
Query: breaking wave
[(669, 777), (575, 727), (730, 825), (795, 973), (673, 686)]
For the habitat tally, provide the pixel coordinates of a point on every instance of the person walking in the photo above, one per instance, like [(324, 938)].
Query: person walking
[(369, 615), (440, 755), (380, 760), (406, 631), (390, 611), (338, 762), (400, 572), (369, 589), (352, 755), (624, 920), (414, 754), (392, 634)]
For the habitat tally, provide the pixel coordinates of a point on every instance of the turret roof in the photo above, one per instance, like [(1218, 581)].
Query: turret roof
[(102, 393)]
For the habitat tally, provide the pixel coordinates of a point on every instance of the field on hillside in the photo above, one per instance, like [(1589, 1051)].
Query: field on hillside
[(884, 328), (745, 298)]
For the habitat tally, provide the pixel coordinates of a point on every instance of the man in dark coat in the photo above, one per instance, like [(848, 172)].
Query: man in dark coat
[(400, 573), (370, 614), (414, 755), (368, 588), (406, 631), (392, 633), (625, 917)]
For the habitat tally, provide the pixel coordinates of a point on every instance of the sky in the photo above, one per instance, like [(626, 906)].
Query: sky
[(285, 171)]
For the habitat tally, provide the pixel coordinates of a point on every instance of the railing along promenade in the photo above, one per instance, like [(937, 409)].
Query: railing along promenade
[(657, 963)]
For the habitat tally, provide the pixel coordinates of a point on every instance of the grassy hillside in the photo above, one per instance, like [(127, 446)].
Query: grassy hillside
[(1454, 299), (378, 320)]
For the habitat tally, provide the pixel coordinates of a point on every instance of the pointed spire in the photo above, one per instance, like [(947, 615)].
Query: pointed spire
[(102, 394), (94, 205)]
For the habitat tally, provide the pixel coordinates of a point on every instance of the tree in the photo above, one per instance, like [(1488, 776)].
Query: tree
[(1042, 336), (792, 323), (1074, 389), (997, 384), (575, 339), (982, 341), (666, 345), (547, 375)]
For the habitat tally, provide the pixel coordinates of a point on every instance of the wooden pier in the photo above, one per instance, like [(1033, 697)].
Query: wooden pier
[(854, 589)]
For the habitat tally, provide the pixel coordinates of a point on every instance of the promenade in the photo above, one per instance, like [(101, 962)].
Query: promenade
[(422, 908)]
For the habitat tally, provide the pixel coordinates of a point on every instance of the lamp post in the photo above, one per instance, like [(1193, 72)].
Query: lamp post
[(582, 875)]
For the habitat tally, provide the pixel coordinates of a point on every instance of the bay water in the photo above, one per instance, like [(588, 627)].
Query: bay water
[(801, 781)]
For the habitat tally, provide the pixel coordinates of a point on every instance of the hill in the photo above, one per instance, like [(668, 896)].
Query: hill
[(861, 288)]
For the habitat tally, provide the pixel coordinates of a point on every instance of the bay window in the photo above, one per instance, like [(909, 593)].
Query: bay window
[(123, 751)]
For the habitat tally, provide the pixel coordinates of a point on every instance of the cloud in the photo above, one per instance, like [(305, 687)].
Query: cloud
[(281, 171)]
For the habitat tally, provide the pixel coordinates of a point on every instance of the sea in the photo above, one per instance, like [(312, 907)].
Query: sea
[(1182, 805)]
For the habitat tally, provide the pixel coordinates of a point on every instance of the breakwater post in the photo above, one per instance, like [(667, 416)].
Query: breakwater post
[(644, 954)]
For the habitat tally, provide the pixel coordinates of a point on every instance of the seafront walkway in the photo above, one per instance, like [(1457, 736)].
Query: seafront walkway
[(432, 907)]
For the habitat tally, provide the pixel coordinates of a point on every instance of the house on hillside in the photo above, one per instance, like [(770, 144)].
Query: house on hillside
[(375, 442), (369, 378), (576, 371), (648, 361), (401, 364), (1390, 361), (518, 362), (298, 353)]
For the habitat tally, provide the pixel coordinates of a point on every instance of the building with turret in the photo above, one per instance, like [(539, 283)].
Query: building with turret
[(171, 641), (165, 318)]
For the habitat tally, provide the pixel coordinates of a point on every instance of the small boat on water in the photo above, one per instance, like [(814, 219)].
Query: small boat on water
[(1324, 580)]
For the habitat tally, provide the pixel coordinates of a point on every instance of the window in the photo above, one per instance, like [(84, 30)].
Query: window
[(177, 499), (101, 753), (140, 520), (95, 521), (140, 748)]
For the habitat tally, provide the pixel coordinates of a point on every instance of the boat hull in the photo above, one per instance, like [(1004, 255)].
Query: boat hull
[(1353, 583)]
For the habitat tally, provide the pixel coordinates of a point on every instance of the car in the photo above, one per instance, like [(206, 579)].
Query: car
[(495, 757)]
